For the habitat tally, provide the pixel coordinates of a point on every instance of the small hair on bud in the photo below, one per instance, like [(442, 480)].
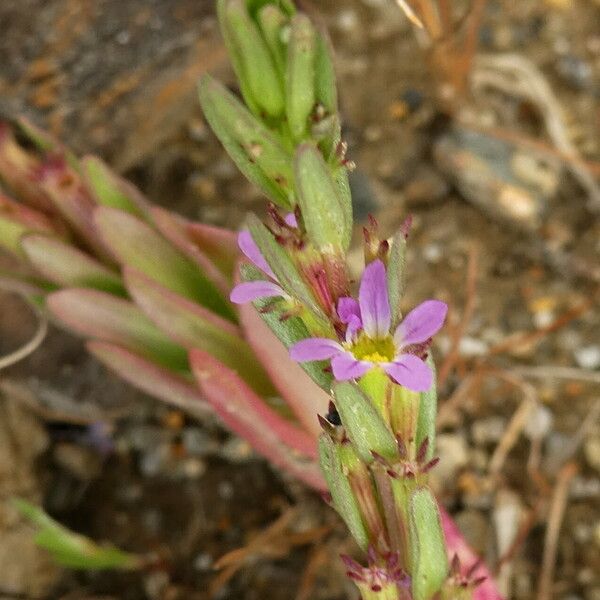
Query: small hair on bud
[(326, 497), (406, 226), (402, 449), (422, 451), (432, 463)]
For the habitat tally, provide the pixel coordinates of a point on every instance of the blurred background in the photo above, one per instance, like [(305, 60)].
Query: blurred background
[(486, 132)]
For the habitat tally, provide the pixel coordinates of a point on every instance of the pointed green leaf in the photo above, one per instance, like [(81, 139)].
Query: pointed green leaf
[(287, 6), (72, 549), (342, 496), (364, 425), (252, 58), (193, 326), (103, 316), (279, 260), (427, 546), (300, 75), (323, 211), (288, 330), (107, 188), (65, 265), (326, 91), (271, 21), (139, 246), (396, 275), (427, 414), (259, 155)]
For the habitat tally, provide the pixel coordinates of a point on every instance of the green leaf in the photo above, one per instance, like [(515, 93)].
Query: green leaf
[(254, 65), (288, 330), (66, 265), (272, 21), (74, 550), (256, 151), (136, 244), (396, 275), (287, 6), (427, 414), (107, 188), (427, 545), (364, 425), (342, 496), (279, 260), (326, 91), (323, 207), (300, 75)]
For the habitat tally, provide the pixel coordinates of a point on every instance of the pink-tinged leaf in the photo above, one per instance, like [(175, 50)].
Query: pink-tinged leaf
[(457, 545), (178, 231), (17, 220), (16, 168), (102, 316), (247, 415), (151, 378), (108, 189), (73, 201), (219, 244), (138, 245), (65, 265), (302, 395), (193, 326)]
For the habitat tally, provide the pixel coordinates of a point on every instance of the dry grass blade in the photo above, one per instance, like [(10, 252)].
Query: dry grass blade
[(555, 518), (517, 422)]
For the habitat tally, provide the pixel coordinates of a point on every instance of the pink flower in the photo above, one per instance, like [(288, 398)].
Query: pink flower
[(369, 342), (253, 290)]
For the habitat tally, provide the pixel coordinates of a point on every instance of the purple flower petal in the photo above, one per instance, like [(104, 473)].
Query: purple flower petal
[(291, 220), (345, 366), (374, 301), (315, 349), (347, 308), (421, 323), (253, 290), (349, 313), (248, 246), (411, 372)]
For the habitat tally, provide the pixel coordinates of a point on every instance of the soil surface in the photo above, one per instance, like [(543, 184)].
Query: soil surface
[(514, 251)]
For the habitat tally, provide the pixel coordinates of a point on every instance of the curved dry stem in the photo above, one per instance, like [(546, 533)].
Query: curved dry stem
[(32, 344)]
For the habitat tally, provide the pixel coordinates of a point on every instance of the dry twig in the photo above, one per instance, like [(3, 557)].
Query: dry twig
[(555, 518)]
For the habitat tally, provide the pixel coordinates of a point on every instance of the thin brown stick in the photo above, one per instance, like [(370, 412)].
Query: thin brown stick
[(556, 372), (318, 558), (471, 286), (529, 337), (517, 422), (555, 518)]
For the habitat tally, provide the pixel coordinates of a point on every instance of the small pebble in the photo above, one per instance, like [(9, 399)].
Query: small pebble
[(588, 357), (539, 423), (347, 20), (489, 430), (470, 346), (203, 562)]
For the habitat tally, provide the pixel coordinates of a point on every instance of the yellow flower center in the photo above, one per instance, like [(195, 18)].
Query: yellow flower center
[(373, 350)]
